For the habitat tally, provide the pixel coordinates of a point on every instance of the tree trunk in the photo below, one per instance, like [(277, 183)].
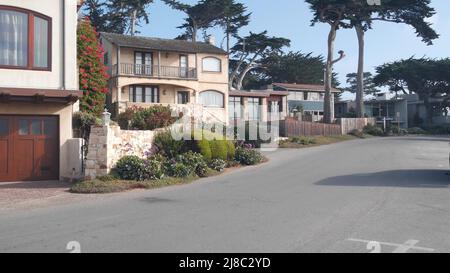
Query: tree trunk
[(133, 22), (328, 116), (235, 71), (194, 31), (228, 38), (243, 74), (360, 74)]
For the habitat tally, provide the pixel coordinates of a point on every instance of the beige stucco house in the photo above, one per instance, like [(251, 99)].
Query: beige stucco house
[(38, 89), (186, 75)]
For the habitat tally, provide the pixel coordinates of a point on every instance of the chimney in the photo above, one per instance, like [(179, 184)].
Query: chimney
[(211, 40)]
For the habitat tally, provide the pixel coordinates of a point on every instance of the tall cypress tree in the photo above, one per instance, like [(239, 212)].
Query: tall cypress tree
[(233, 17), (362, 16), (125, 15), (200, 16), (95, 10), (117, 16)]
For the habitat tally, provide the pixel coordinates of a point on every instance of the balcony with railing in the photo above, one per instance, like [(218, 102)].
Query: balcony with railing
[(154, 71)]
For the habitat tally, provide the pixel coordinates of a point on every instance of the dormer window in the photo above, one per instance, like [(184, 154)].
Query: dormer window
[(24, 39)]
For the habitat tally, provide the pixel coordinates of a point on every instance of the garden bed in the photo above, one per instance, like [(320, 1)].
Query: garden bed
[(173, 162), (305, 142), (110, 184)]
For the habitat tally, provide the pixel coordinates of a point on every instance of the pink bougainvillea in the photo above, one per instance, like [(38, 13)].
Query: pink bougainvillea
[(93, 73)]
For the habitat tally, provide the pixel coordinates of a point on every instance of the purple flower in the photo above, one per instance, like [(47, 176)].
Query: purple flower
[(248, 146)]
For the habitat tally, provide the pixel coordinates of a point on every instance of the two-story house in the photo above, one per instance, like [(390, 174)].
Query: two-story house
[(308, 98), (183, 74), (38, 88)]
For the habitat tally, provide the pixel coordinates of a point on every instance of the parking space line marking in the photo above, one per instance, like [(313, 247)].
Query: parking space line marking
[(400, 248)]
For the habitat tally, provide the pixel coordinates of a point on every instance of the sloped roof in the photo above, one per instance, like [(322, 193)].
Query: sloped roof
[(304, 87), (257, 93), (161, 44)]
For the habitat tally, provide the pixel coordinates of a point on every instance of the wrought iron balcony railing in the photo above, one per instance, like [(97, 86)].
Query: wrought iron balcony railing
[(142, 70)]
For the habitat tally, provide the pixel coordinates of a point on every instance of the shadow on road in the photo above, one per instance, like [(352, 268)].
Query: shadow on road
[(395, 178), (442, 138), (35, 185)]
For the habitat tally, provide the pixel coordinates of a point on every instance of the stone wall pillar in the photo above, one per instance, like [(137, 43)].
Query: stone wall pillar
[(96, 162), (108, 144)]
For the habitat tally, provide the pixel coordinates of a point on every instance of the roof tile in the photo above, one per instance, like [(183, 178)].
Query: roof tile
[(161, 44)]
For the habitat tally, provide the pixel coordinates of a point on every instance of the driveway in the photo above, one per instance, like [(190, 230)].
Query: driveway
[(31, 195), (336, 198), (20, 194)]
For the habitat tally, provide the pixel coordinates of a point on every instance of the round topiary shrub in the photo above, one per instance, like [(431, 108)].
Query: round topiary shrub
[(130, 168), (204, 148), (219, 149), (231, 150)]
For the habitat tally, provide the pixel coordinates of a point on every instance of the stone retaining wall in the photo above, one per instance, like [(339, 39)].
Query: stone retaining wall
[(108, 144)]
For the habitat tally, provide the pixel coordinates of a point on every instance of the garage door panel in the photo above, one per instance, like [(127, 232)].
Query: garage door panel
[(29, 148), (24, 158), (4, 151), (46, 165)]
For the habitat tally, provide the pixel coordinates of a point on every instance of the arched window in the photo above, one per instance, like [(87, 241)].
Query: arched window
[(212, 64), (212, 98), (25, 39)]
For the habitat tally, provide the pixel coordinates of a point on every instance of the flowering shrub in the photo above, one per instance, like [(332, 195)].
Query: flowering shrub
[(247, 156), (218, 164), (179, 169), (154, 117), (131, 168), (93, 76), (202, 169), (154, 169), (168, 146)]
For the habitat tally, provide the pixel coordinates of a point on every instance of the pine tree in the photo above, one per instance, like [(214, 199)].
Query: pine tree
[(233, 17), (95, 12)]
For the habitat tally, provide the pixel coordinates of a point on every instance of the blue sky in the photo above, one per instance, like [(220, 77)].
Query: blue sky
[(291, 19)]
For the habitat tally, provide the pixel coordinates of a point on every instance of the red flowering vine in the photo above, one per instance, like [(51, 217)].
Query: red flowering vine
[(93, 74)]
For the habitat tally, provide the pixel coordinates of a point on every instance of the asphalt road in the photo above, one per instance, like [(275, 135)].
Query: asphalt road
[(333, 198)]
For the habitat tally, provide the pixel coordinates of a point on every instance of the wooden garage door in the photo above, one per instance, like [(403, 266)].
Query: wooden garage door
[(29, 148)]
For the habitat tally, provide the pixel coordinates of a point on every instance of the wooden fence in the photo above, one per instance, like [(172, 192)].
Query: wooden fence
[(292, 127), (350, 124)]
